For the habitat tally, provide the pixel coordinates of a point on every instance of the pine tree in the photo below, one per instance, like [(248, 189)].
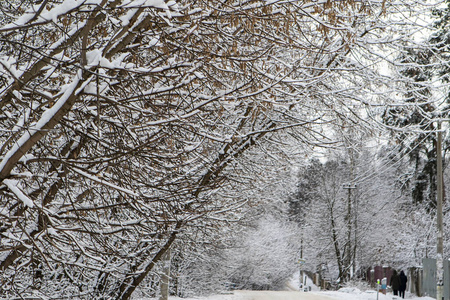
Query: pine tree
[(418, 144)]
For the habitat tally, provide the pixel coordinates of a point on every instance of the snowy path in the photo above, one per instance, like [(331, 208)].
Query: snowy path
[(344, 294), (271, 295), (348, 294)]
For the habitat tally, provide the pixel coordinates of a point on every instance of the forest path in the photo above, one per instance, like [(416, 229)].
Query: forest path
[(278, 295)]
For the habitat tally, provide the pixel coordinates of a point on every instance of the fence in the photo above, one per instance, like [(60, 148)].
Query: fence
[(421, 280), (415, 281), (429, 278), (415, 278)]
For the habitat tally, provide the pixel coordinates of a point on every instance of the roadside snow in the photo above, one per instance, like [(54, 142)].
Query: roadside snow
[(12, 185), (313, 293), (356, 294), (343, 294)]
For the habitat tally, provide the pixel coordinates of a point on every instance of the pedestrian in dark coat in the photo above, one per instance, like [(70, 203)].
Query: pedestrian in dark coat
[(395, 282), (403, 280)]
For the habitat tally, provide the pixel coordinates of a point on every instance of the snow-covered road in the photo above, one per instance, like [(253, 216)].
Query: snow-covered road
[(279, 295), (343, 294)]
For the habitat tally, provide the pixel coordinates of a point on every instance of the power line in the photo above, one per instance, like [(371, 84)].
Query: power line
[(387, 165)]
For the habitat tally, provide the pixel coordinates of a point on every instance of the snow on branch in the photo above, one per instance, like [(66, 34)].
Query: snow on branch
[(41, 125), (103, 182), (12, 185), (43, 15)]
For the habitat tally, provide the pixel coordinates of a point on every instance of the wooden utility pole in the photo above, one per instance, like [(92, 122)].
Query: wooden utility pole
[(165, 277), (440, 226), (348, 255)]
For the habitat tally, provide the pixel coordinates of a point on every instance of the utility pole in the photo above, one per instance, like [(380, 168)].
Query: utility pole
[(440, 226), (348, 255), (301, 261), (355, 241), (165, 276)]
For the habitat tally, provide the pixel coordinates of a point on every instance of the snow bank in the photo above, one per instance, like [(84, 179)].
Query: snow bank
[(346, 293), (356, 294)]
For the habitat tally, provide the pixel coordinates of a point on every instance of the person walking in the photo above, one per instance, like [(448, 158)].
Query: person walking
[(395, 283), (403, 280)]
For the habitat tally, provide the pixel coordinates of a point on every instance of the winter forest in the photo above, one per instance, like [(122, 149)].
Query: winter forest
[(225, 139)]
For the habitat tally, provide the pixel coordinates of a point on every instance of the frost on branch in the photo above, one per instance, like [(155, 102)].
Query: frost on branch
[(138, 122)]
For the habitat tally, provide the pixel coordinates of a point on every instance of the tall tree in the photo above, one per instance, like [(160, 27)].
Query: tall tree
[(413, 128), (338, 250)]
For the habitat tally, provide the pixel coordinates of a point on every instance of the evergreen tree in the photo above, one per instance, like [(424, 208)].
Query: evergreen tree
[(413, 130)]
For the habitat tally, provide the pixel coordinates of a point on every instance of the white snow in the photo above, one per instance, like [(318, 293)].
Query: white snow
[(8, 64), (12, 185), (355, 294), (104, 182), (52, 14), (347, 294), (52, 231), (67, 91), (313, 292)]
